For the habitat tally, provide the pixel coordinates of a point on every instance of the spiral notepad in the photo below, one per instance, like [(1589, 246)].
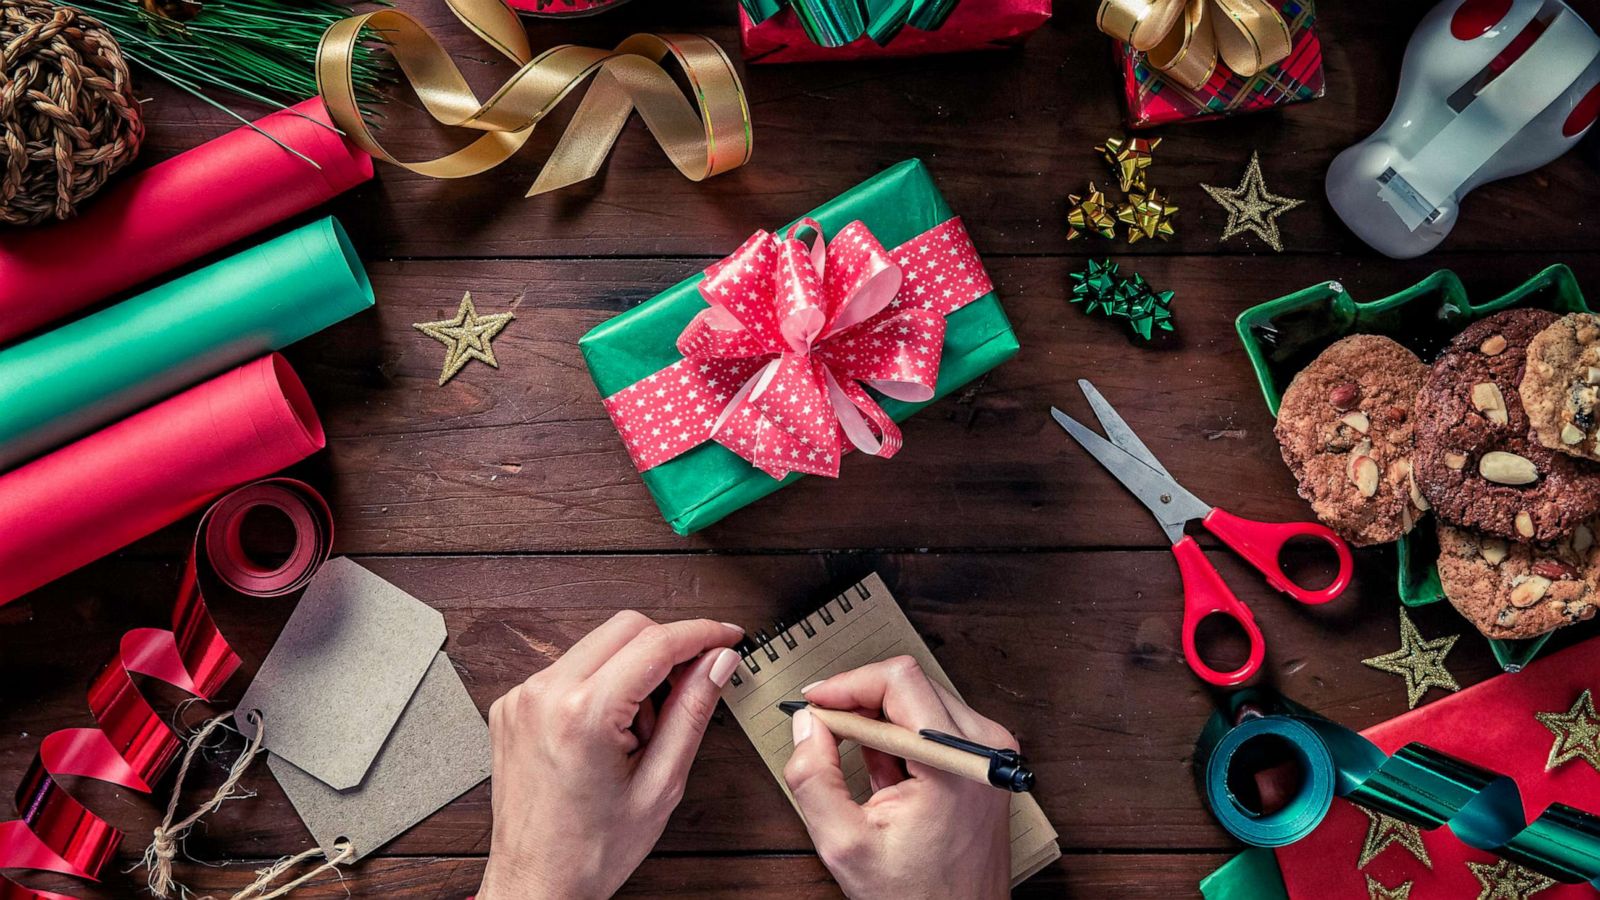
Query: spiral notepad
[(860, 626)]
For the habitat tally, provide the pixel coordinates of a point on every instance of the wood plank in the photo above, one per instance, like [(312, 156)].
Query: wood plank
[(523, 458), (1008, 139), (1076, 651), (1131, 876)]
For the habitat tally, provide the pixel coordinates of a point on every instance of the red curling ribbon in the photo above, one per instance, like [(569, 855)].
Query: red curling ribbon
[(777, 368), (133, 746)]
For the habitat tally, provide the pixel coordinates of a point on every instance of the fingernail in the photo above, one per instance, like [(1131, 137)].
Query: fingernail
[(807, 688), (722, 666), (802, 726), (733, 626)]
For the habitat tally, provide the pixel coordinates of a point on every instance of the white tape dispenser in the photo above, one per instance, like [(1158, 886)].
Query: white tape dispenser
[(1489, 89)]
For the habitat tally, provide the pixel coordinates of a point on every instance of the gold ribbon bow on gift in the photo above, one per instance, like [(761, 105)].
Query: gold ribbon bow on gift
[(1183, 38), (715, 140)]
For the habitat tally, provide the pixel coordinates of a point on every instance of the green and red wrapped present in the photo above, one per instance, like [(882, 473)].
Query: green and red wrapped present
[(1261, 54), (801, 346)]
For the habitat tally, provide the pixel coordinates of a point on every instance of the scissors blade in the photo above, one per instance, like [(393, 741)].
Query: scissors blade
[(1167, 500), (1117, 431)]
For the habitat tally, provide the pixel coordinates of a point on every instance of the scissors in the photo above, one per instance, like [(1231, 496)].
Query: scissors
[(1204, 593)]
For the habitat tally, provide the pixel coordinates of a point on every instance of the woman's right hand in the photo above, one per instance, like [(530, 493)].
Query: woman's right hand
[(923, 833)]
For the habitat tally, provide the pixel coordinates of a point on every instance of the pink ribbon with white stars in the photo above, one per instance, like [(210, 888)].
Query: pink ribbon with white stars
[(776, 369)]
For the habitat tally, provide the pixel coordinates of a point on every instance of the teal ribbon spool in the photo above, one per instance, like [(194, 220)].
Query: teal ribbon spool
[(1417, 784), (835, 23)]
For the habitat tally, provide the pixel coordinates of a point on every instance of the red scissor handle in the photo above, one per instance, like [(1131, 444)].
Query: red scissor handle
[(1261, 542), (1205, 595)]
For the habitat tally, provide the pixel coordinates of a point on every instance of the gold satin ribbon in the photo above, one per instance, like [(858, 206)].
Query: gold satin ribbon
[(1183, 38), (716, 140)]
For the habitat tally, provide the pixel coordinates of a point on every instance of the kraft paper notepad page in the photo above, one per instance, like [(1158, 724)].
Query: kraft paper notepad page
[(860, 626)]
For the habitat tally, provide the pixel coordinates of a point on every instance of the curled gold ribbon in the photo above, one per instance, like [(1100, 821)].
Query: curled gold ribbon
[(716, 140), (1184, 38)]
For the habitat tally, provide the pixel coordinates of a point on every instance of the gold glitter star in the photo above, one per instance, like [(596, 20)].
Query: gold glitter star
[(1129, 158), (1577, 733), (1251, 207), (1376, 891), (466, 337), (1147, 216), (1385, 830), (1419, 662), (1089, 213), (1505, 880)]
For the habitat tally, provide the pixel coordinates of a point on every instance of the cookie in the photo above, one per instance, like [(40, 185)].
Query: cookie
[(1476, 459), (1561, 387), (1510, 590), (1346, 433)]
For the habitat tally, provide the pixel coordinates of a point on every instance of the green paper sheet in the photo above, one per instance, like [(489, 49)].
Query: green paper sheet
[(711, 481), (1252, 875), (69, 381)]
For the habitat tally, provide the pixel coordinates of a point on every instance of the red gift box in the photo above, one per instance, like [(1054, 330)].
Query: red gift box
[(1492, 725), (1154, 99), (974, 25)]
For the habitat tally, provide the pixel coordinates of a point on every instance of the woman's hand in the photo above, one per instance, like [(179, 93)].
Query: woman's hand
[(586, 769), (924, 833)]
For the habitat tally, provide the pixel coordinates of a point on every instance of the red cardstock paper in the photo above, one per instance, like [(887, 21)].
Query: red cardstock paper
[(173, 212), (1490, 724), (119, 484), (974, 25)]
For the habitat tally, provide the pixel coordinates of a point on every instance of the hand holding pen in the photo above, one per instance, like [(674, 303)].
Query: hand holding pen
[(923, 832)]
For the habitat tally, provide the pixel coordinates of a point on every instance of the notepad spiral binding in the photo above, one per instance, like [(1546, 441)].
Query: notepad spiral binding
[(768, 645)]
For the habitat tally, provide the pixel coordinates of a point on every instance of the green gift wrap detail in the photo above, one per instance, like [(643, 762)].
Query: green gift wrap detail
[(835, 23), (711, 481), (67, 382), (1417, 784), (1281, 336), (1252, 875)]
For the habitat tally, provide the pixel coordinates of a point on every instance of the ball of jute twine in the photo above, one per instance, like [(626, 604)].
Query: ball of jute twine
[(68, 115)]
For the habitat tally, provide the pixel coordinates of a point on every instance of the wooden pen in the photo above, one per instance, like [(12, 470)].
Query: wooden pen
[(1004, 769)]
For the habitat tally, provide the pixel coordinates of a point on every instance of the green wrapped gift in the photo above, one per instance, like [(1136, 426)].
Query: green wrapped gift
[(710, 481)]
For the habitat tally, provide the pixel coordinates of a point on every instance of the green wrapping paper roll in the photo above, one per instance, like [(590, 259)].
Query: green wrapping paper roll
[(69, 381)]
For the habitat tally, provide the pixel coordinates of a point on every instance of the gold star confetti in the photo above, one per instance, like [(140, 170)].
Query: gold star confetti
[(1129, 158), (1386, 830), (1376, 891), (1505, 880), (1251, 207), (1577, 733), (466, 337), (1089, 214), (1147, 216), (1419, 662)]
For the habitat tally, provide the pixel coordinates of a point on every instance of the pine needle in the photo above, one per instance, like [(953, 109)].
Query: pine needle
[(262, 50)]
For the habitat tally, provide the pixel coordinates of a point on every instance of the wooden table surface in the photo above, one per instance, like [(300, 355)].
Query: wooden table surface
[(506, 500)]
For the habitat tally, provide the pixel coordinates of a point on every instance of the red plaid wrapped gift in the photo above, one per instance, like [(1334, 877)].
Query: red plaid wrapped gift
[(1155, 97)]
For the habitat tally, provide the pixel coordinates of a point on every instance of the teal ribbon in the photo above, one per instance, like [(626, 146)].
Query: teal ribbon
[(835, 23), (1417, 784)]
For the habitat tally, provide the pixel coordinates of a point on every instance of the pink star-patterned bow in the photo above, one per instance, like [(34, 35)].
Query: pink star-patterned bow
[(774, 369)]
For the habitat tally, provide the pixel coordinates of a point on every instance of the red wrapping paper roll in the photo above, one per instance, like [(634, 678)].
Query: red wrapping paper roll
[(147, 471), (174, 212)]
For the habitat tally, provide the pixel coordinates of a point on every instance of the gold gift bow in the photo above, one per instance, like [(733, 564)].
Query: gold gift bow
[(716, 140), (1183, 38)]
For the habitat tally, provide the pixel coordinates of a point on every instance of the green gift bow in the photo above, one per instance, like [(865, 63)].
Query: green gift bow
[(835, 23)]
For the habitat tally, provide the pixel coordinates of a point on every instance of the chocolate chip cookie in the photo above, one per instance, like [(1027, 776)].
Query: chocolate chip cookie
[(1476, 459), (1561, 387), (1510, 590), (1345, 427)]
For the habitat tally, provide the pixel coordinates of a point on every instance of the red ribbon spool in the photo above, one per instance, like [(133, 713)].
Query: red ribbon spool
[(132, 746)]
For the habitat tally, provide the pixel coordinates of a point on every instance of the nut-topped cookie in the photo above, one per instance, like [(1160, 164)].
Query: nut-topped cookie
[(1561, 386), (1476, 459), (1345, 427), (1510, 590)]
